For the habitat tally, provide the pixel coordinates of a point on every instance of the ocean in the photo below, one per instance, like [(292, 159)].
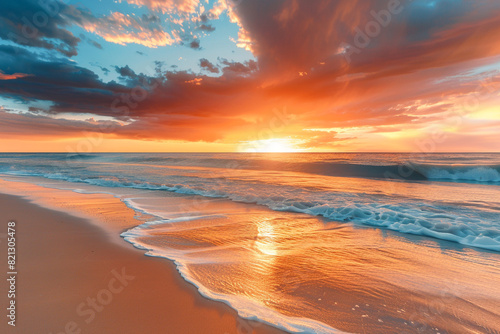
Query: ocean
[(319, 240)]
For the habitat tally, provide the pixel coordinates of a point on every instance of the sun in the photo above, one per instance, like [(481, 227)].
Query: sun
[(275, 145)]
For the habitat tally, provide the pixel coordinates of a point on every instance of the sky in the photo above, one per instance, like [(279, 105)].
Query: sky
[(250, 76)]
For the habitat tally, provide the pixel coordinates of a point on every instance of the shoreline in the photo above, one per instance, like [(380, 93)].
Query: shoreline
[(381, 296), (72, 277)]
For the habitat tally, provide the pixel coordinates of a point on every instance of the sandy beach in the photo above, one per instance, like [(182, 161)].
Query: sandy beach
[(73, 279)]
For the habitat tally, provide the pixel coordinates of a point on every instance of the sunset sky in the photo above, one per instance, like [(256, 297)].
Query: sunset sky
[(250, 75)]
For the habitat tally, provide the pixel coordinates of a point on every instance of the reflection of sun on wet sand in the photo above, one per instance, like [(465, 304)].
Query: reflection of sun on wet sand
[(265, 242)]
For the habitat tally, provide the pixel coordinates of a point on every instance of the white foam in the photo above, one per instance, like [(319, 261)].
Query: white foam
[(477, 174)]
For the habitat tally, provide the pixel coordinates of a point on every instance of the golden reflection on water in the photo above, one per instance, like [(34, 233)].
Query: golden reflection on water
[(265, 242)]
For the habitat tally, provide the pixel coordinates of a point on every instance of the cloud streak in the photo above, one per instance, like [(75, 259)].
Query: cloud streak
[(13, 76), (124, 29)]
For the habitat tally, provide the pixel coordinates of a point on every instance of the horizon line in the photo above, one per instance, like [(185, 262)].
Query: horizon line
[(321, 152)]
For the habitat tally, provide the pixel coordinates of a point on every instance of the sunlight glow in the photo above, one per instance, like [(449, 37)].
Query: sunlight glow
[(275, 145)]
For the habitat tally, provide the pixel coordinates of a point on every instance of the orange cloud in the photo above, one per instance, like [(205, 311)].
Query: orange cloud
[(124, 29), (195, 81), (13, 76)]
